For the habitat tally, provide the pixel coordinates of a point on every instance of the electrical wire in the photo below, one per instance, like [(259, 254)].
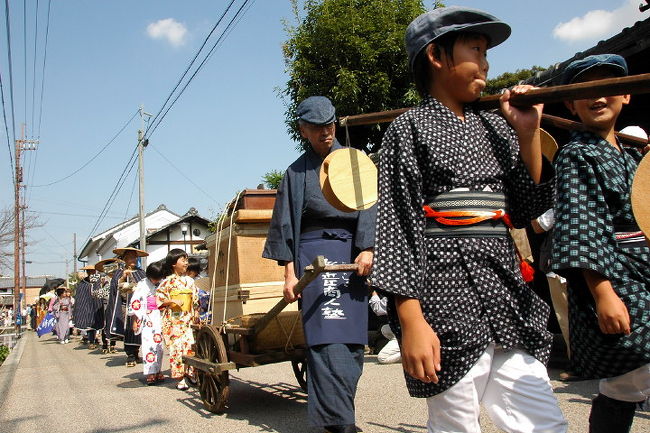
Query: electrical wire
[(159, 117), (34, 66), (47, 33), (184, 175), (111, 198), (4, 115), (135, 179), (205, 41), (11, 74), (93, 157), (70, 214)]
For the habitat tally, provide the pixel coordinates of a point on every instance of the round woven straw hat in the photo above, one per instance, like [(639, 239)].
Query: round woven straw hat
[(640, 194), (120, 251), (549, 145), (348, 179), (99, 266)]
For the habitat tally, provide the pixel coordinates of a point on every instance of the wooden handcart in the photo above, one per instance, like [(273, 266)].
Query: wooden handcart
[(239, 334)]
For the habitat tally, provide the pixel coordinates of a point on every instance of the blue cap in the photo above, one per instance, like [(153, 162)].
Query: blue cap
[(317, 110), (431, 25), (613, 62)]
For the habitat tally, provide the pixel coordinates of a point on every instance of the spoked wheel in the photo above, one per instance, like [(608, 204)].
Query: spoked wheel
[(300, 371), (214, 388)]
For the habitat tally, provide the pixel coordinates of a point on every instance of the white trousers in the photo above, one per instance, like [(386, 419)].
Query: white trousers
[(513, 387), (633, 386), (390, 353)]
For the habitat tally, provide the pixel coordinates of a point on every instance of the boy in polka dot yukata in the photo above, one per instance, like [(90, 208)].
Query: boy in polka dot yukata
[(452, 179), (598, 247)]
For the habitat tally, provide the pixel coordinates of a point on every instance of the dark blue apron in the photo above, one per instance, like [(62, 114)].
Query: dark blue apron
[(335, 305)]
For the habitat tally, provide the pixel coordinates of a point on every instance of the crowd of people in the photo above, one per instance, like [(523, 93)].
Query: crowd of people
[(453, 179), (145, 309)]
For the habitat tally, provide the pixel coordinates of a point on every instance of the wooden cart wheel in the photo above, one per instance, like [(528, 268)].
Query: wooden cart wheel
[(300, 371), (214, 388)]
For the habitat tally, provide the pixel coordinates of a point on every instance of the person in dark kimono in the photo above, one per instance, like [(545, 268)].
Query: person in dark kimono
[(334, 306), (600, 249), (88, 311), (122, 286), (452, 179)]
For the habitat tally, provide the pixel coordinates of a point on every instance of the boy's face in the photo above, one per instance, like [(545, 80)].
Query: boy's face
[(598, 114), (464, 76)]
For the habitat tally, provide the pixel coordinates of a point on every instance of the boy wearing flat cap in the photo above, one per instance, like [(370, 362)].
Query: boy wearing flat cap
[(452, 180), (599, 248), (334, 306)]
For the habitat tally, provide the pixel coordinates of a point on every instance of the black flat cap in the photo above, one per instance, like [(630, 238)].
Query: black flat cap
[(317, 110), (431, 25), (613, 62)]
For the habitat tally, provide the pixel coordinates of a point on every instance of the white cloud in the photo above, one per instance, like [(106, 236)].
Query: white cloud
[(168, 29), (599, 23)]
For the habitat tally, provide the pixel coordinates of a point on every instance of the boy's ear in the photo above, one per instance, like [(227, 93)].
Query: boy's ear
[(569, 106), (431, 56), (626, 99)]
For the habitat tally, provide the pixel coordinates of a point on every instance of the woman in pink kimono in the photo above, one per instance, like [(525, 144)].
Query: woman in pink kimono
[(178, 301), (148, 323)]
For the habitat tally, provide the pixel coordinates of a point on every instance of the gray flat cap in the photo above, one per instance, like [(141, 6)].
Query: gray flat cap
[(613, 62), (317, 110), (431, 25)]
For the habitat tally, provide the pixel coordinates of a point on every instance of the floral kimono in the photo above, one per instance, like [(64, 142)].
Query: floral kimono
[(144, 307), (176, 322)]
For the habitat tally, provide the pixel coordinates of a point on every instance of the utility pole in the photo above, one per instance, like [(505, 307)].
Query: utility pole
[(142, 143), (74, 243), (19, 233)]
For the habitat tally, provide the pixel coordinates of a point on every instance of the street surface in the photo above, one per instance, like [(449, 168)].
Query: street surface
[(67, 388)]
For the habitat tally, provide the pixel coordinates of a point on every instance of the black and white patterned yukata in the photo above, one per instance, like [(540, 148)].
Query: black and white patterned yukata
[(594, 182), (470, 288)]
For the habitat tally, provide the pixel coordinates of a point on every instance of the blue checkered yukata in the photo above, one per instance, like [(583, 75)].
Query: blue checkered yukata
[(593, 204)]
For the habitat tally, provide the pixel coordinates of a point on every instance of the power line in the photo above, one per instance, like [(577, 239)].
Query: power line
[(135, 179), (111, 198), (184, 175), (34, 65), (205, 41), (47, 33), (69, 214), (4, 115), (94, 156), (11, 74), (154, 124)]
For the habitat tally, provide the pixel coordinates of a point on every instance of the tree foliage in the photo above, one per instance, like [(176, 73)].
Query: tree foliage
[(272, 179), (351, 51), (509, 79)]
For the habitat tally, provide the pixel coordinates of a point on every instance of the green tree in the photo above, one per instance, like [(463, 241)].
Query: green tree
[(351, 51), (272, 179), (509, 79)]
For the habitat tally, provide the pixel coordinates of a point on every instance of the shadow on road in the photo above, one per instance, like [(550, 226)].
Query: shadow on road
[(247, 397), (136, 427), (401, 427), (12, 424)]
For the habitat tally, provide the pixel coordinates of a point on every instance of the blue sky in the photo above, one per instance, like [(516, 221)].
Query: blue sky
[(226, 130)]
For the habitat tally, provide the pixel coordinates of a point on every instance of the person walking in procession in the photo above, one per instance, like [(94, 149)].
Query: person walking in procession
[(178, 300), (122, 284), (62, 309), (334, 306), (148, 322), (599, 248), (88, 311), (472, 332)]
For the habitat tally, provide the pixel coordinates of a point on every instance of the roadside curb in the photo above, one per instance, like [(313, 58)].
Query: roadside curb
[(9, 367)]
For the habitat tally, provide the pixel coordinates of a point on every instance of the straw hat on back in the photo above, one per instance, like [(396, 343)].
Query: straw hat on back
[(121, 251)]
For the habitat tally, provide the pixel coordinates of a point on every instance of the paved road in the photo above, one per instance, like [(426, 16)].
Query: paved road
[(67, 388)]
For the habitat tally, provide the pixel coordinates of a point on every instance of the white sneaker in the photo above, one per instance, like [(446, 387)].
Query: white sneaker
[(182, 385), (67, 341), (62, 341)]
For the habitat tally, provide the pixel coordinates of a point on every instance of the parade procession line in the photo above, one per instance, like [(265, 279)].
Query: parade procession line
[(47, 386)]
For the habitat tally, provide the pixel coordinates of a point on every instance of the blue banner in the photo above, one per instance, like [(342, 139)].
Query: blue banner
[(47, 325)]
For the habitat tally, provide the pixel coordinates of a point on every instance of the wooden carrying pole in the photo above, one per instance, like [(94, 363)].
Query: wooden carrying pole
[(633, 84), (311, 272)]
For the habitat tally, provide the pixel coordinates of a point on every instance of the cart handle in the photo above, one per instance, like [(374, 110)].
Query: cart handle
[(311, 272)]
